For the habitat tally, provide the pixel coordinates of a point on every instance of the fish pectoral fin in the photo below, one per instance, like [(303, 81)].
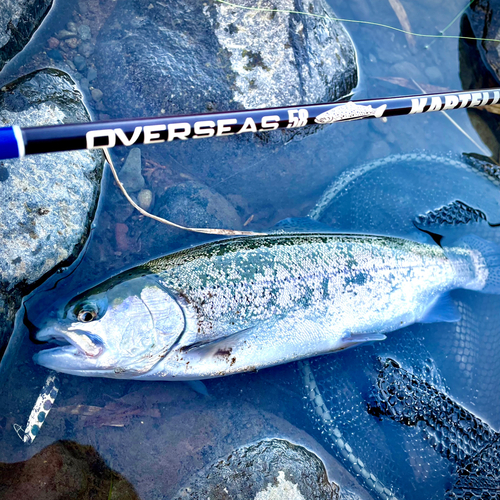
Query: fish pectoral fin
[(360, 338), (443, 309), (218, 346)]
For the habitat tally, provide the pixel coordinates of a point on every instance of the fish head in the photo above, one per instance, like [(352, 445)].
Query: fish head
[(119, 331)]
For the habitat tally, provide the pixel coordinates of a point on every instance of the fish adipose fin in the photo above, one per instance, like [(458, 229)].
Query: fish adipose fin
[(443, 309), (361, 338), (491, 255)]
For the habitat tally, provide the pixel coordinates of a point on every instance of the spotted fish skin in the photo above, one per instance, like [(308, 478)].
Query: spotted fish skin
[(248, 303)]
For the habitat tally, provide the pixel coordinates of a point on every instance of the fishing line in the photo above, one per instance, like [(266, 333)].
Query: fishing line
[(450, 23), (357, 21), (446, 115), (221, 232), (457, 16)]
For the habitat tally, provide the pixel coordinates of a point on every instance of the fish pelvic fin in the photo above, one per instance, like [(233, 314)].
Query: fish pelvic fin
[(380, 111), (197, 386), (360, 338)]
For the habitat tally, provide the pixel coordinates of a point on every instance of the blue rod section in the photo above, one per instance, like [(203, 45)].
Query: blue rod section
[(8, 144), (15, 143)]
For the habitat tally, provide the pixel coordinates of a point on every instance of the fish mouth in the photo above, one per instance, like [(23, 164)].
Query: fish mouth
[(71, 340)]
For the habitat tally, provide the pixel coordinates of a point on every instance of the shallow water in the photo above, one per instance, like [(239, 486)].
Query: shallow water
[(158, 435)]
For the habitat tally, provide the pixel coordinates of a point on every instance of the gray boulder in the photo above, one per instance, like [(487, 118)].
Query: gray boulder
[(480, 66), (18, 21), (267, 470), (46, 201), (200, 57), (194, 57), (483, 20)]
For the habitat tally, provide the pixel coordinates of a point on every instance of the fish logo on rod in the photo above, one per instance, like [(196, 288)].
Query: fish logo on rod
[(349, 111)]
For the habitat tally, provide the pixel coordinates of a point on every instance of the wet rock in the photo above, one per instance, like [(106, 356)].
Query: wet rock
[(195, 58), (144, 198), (80, 63), (19, 19), (55, 54), (121, 238), (84, 32), (46, 201), (406, 69), (193, 204), (483, 20), (72, 43), (271, 469), (91, 74), (389, 56), (434, 74), (64, 470), (284, 489), (53, 42), (96, 94), (131, 172), (84, 83), (480, 66), (65, 34), (86, 49), (305, 58)]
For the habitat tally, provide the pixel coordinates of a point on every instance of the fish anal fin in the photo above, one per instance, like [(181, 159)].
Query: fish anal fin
[(443, 309)]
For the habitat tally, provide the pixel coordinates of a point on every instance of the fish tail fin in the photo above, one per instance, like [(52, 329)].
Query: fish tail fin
[(491, 255), (380, 111)]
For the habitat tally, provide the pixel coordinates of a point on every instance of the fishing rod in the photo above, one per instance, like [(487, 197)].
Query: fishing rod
[(16, 142)]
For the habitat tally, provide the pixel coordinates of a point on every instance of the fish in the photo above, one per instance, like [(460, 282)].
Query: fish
[(349, 111), (244, 304)]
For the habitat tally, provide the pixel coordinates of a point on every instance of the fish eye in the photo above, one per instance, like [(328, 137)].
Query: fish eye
[(87, 309), (87, 315)]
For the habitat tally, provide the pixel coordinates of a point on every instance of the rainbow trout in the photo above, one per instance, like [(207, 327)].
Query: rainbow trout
[(248, 303)]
